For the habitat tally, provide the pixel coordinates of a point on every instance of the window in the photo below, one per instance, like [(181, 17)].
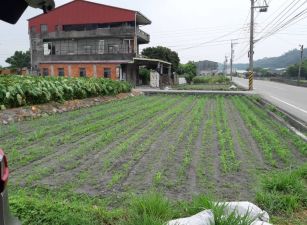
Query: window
[(101, 47), (113, 48), (45, 72), (61, 72), (128, 45), (44, 28), (82, 72), (107, 73), (47, 48), (32, 29), (86, 46)]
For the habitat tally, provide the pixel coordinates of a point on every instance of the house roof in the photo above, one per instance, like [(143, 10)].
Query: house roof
[(84, 12)]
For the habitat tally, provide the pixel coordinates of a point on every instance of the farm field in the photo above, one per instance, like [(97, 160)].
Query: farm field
[(180, 145)]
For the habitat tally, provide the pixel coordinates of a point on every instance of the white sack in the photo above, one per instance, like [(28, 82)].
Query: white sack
[(203, 218), (244, 208), (260, 223)]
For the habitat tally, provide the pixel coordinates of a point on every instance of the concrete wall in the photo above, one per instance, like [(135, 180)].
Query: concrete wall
[(154, 79), (131, 71)]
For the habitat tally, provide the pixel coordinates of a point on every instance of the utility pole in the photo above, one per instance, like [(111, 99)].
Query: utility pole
[(251, 48), (232, 58), (252, 42), (225, 66), (300, 67)]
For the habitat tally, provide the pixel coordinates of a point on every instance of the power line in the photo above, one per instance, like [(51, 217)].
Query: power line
[(275, 18), (185, 30), (283, 15), (276, 11), (285, 25), (218, 41), (210, 41), (273, 27)]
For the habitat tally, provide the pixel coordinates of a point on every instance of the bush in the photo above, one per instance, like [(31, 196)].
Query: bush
[(188, 77), (23, 90), (211, 80), (144, 75)]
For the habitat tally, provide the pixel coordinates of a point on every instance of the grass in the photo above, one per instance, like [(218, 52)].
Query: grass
[(284, 192), (151, 208), (98, 162), (209, 87)]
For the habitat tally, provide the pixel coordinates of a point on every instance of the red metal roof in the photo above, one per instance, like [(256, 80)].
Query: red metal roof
[(85, 12)]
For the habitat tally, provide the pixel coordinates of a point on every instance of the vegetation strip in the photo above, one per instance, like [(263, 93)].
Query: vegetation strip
[(24, 90)]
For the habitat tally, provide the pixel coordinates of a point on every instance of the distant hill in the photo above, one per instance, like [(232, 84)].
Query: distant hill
[(287, 59)]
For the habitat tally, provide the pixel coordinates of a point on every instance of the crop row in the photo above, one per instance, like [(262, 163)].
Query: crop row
[(228, 157), (23, 90), (266, 137), (283, 132)]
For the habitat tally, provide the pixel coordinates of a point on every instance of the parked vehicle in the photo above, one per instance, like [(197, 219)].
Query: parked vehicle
[(5, 216)]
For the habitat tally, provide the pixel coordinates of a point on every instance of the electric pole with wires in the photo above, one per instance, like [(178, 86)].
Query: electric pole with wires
[(263, 8), (225, 66), (232, 58), (300, 66)]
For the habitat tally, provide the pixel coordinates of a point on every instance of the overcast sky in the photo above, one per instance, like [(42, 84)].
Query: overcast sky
[(196, 29)]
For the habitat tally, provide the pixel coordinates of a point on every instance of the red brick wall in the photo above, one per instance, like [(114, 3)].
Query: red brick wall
[(75, 69), (100, 70)]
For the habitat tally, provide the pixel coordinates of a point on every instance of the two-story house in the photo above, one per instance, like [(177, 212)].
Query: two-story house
[(86, 39)]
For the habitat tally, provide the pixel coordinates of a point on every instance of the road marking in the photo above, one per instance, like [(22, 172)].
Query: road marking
[(304, 111)]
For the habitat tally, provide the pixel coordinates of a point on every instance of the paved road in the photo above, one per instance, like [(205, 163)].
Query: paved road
[(292, 99)]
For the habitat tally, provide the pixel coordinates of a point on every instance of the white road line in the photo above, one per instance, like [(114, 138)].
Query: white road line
[(302, 110)]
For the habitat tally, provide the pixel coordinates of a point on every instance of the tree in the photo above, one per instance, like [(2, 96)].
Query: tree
[(292, 70), (188, 70), (261, 72), (164, 54), (19, 60)]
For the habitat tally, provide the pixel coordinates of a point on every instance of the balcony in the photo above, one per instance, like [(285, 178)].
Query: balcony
[(118, 32), (89, 57), (143, 37)]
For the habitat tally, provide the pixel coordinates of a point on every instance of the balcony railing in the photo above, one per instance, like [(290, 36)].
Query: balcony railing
[(143, 35), (89, 57), (120, 32)]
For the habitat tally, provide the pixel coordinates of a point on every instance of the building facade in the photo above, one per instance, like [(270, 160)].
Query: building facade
[(86, 39)]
